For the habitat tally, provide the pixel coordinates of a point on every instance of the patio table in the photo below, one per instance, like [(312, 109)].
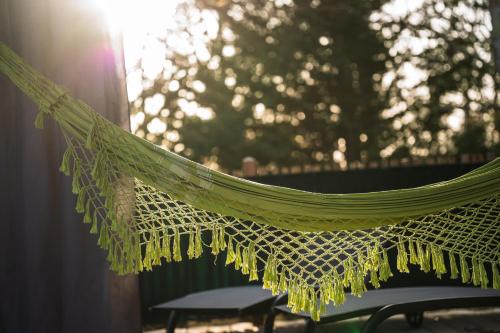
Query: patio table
[(232, 301)]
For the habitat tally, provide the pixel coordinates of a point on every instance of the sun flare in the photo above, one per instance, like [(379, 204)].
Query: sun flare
[(152, 31)]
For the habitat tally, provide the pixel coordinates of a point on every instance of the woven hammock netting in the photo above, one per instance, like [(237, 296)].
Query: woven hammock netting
[(141, 200)]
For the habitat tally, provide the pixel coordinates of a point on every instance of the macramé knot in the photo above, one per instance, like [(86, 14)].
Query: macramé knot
[(40, 117)]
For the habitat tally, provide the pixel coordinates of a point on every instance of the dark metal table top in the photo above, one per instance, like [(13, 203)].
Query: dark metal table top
[(235, 300)]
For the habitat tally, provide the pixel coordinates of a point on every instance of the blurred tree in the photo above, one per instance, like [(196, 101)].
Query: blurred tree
[(288, 83), (440, 80), (293, 82)]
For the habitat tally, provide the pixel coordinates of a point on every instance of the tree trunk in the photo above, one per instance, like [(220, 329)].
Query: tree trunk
[(495, 34)]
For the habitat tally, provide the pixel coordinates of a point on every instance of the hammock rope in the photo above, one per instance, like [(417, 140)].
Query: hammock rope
[(141, 200)]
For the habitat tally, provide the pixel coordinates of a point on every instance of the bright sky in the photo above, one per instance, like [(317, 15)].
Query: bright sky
[(152, 31)]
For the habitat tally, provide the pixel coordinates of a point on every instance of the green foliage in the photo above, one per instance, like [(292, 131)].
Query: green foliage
[(313, 81)]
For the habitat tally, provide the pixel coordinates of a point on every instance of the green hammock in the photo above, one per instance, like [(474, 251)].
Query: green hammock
[(141, 199)]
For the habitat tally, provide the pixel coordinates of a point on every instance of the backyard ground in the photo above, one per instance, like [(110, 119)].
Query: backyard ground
[(485, 320)]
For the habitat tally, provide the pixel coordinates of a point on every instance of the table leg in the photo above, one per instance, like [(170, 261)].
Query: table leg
[(269, 321), (310, 326), (172, 320)]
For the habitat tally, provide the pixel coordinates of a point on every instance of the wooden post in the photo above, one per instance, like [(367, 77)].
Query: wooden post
[(249, 167)]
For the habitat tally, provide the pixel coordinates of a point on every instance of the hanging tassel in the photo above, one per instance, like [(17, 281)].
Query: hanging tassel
[(282, 286), (338, 290), (65, 163), (348, 273), (222, 240), (360, 260), (237, 259), (361, 282), (190, 251), (496, 276), (147, 257), (453, 266), (291, 294), (329, 288), (295, 301), (356, 287), (291, 297), (245, 269), (323, 298), (252, 263), (304, 290), (424, 257), (420, 255), (266, 277), (297, 304), (198, 243), (215, 241), (427, 259), (40, 119), (75, 182), (374, 278), (438, 261), (177, 246), (375, 257), (80, 202), (402, 259), (413, 253), (464, 269), (102, 241), (275, 279), (165, 247), (87, 218), (157, 249), (476, 277), (483, 275), (93, 227), (138, 256), (230, 256), (368, 262), (110, 257), (313, 305), (434, 260), (385, 268), (476, 272)]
